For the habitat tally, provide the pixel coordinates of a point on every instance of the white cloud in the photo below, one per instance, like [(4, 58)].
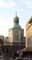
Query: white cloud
[(7, 4), (5, 24), (28, 4), (12, 4)]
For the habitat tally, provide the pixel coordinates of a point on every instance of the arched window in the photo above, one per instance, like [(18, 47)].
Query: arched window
[(16, 35)]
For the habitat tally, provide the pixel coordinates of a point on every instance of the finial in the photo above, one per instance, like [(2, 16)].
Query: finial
[(16, 13)]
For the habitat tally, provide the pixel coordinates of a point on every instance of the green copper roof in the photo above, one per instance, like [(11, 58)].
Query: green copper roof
[(16, 20), (16, 23), (17, 27), (16, 17)]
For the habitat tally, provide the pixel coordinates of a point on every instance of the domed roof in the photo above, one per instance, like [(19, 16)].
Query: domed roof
[(16, 20), (16, 17), (16, 23)]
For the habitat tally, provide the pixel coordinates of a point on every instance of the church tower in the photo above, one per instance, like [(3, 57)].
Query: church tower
[(16, 34)]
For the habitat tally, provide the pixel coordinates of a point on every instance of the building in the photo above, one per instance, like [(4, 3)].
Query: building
[(1, 40), (29, 33), (16, 34), (27, 52)]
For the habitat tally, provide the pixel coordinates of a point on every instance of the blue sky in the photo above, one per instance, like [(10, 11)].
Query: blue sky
[(8, 10)]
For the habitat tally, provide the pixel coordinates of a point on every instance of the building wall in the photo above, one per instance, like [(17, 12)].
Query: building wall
[(10, 36), (16, 35), (28, 34)]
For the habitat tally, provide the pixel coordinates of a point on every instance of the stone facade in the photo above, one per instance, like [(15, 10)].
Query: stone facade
[(29, 33)]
